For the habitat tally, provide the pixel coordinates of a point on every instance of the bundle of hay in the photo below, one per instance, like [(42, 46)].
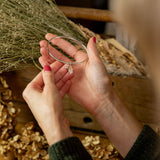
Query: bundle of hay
[(23, 23)]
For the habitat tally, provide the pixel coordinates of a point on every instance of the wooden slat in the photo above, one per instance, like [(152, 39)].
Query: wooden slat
[(88, 14)]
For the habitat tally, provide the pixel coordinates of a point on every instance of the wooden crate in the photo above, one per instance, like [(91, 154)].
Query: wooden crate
[(136, 93)]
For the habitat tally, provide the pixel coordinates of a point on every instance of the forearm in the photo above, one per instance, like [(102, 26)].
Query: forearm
[(118, 123)]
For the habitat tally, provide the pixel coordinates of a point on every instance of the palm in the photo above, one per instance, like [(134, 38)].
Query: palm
[(80, 90)]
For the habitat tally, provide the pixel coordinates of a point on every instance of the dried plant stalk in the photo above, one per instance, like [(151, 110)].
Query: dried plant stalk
[(23, 23)]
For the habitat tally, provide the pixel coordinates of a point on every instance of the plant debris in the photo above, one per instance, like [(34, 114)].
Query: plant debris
[(99, 151), (30, 143)]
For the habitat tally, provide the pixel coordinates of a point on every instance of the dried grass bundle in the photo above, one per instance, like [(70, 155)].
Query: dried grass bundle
[(23, 23)]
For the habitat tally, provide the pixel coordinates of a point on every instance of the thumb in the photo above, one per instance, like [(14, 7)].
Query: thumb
[(48, 79), (92, 50)]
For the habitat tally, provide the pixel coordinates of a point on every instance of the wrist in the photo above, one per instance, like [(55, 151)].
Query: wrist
[(114, 117), (57, 132), (105, 106), (58, 135)]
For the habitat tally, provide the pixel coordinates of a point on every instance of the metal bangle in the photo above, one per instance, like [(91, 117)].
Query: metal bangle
[(69, 63)]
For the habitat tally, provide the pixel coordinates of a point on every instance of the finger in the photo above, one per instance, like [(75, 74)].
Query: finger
[(48, 78), (35, 86), (47, 57), (59, 70), (60, 74), (67, 77), (37, 81), (60, 55), (43, 43), (61, 82), (65, 54), (67, 47), (63, 44), (80, 56), (92, 50), (48, 36), (43, 62), (65, 88), (55, 66), (45, 54)]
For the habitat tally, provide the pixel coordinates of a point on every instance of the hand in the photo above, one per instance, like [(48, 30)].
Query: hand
[(45, 102), (90, 84)]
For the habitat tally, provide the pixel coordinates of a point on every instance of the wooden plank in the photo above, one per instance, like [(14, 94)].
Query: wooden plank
[(136, 93), (82, 120), (88, 14)]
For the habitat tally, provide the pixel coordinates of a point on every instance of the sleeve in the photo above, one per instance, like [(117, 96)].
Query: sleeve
[(68, 149), (146, 147)]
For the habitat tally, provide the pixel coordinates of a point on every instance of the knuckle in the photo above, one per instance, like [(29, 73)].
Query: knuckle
[(24, 94), (48, 74), (26, 91)]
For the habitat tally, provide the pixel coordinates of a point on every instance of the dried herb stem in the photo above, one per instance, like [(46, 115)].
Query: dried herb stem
[(23, 23)]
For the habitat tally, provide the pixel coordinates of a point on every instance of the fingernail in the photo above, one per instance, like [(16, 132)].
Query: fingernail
[(47, 68), (94, 39)]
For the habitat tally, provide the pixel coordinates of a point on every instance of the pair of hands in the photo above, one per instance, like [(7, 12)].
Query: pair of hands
[(89, 86)]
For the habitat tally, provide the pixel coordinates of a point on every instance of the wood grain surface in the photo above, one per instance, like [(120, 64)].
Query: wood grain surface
[(88, 13)]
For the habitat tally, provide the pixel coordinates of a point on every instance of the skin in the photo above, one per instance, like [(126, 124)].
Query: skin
[(44, 97), (91, 87)]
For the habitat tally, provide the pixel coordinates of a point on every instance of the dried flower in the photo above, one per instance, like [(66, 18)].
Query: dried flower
[(99, 151)]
